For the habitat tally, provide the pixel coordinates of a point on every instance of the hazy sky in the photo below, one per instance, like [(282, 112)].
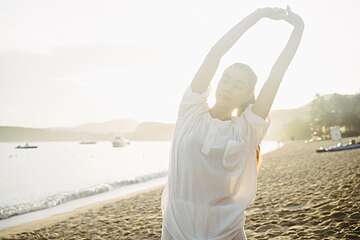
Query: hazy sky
[(64, 63)]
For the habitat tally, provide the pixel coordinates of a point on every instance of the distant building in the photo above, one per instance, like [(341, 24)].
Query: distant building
[(335, 133)]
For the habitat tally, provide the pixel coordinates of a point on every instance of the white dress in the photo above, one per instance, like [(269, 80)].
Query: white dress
[(212, 172)]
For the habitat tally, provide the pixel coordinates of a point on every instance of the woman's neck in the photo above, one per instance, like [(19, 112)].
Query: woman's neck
[(223, 113), (220, 112)]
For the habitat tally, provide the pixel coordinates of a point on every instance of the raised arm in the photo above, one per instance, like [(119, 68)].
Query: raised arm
[(211, 62), (267, 94)]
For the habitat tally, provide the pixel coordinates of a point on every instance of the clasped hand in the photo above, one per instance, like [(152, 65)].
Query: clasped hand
[(281, 14)]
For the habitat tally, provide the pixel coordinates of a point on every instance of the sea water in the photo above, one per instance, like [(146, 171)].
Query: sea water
[(59, 172)]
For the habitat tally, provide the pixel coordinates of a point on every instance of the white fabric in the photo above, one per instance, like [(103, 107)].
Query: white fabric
[(212, 171), (165, 235)]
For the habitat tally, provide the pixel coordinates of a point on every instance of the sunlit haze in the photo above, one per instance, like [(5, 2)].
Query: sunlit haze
[(64, 63)]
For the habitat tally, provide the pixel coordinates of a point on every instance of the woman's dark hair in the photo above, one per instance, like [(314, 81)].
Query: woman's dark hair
[(258, 158)]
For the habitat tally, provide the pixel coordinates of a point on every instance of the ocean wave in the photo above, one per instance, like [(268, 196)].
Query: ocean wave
[(63, 197)]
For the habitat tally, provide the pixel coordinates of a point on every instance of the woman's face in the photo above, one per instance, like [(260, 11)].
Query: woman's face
[(234, 88)]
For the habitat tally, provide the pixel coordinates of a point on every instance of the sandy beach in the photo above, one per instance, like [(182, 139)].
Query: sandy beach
[(301, 195)]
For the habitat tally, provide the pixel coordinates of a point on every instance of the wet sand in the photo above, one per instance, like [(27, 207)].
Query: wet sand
[(301, 195)]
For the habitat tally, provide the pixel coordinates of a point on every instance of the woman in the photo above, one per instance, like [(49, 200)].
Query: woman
[(213, 160)]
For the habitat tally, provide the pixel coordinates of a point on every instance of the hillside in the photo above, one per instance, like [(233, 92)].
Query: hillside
[(145, 131)]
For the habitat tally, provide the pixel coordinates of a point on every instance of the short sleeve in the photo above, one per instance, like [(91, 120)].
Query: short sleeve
[(256, 125), (193, 103)]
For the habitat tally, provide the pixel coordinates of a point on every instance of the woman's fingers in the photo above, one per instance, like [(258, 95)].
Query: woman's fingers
[(278, 10), (279, 13), (276, 13), (293, 18), (281, 10), (288, 9)]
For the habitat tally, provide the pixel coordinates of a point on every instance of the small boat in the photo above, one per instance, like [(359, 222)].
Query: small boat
[(120, 142), (339, 147), (26, 146), (87, 142)]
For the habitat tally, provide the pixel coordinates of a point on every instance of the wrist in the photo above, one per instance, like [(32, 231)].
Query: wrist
[(296, 22), (258, 14), (298, 25)]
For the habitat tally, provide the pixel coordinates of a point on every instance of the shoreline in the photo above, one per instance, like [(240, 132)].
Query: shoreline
[(55, 218), (36, 224), (300, 194), (69, 206), (58, 217)]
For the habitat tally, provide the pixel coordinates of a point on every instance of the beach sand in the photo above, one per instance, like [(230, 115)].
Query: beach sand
[(301, 195)]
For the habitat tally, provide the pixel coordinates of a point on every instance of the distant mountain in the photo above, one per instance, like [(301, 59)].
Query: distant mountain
[(131, 129), (152, 131), (281, 117), (90, 131), (22, 134), (117, 126)]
